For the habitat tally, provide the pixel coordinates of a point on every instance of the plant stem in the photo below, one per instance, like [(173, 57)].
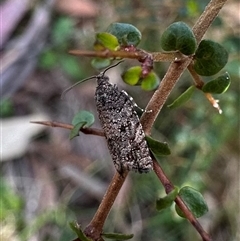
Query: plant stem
[(197, 79), (86, 130), (138, 54), (94, 229), (109, 54)]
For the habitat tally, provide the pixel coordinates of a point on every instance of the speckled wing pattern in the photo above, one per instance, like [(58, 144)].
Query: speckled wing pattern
[(122, 128)]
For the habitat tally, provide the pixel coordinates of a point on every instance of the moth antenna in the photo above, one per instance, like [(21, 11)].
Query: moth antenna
[(72, 86), (111, 66)]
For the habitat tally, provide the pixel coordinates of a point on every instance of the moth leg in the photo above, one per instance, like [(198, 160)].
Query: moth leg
[(132, 100), (134, 103)]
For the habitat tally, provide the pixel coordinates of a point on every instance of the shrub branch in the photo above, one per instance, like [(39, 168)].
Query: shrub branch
[(155, 105), (175, 70)]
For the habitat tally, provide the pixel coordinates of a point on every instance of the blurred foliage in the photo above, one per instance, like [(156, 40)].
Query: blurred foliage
[(6, 108), (197, 135), (61, 41), (11, 203)]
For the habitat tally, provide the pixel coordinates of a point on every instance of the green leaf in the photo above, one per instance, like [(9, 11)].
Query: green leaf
[(183, 98), (217, 86), (107, 40), (210, 58), (132, 75), (100, 63), (77, 229), (83, 116), (167, 201), (179, 36), (150, 82), (75, 131), (194, 201), (118, 236), (158, 148), (126, 33), (81, 119)]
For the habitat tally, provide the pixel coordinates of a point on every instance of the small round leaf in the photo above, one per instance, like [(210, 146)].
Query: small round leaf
[(126, 33), (81, 119), (158, 148), (217, 86), (210, 58), (107, 40), (179, 36), (150, 82), (194, 201), (132, 75), (83, 116)]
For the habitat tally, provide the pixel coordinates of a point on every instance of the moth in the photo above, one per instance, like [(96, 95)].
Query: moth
[(122, 128)]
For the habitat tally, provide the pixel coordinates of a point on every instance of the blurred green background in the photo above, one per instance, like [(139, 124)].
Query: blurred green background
[(47, 180)]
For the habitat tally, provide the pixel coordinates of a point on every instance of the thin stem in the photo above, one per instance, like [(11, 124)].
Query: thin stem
[(138, 54), (109, 54), (167, 57), (197, 79), (85, 130), (95, 227)]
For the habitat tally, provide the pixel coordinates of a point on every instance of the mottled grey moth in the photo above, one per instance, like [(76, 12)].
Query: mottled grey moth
[(121, 126)]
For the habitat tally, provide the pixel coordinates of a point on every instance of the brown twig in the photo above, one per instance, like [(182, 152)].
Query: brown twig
[(138, 54), (109, 54), (106, 204), (167, 57), (197, 79), (85, 130)]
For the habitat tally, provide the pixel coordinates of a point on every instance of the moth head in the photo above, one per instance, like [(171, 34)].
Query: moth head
[(101, 77)]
